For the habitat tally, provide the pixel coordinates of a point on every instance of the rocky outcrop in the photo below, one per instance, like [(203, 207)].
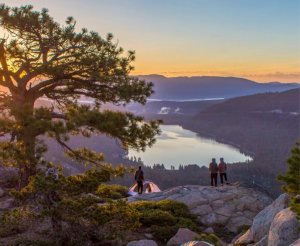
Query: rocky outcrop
[(276, 225), (262, 222), (284, 229), (227, 206), (182, 236)]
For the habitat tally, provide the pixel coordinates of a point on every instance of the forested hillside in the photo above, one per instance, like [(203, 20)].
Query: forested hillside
[(265, 126), (283, 102), (201, 87)]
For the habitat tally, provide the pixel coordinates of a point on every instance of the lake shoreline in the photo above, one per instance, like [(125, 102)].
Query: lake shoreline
[(178, 146)]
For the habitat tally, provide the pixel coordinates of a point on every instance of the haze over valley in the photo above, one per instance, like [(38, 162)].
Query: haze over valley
[(261, 126)]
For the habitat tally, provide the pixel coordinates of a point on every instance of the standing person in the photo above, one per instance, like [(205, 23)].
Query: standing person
[(222, 170), (139, 178), (213, 168)]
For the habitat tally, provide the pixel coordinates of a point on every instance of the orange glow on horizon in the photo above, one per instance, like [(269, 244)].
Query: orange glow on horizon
[(256, 72), (257, 77)]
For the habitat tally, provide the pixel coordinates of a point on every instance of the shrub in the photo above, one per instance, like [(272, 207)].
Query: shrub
[(112, 191), (165, 217), (187, 223), (178, 209), (74, 211), (157, 217), (163, 233)]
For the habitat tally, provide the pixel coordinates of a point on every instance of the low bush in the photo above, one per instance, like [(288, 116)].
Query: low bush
[(164, 233), (157, 217), (164, 218), (112, 191)]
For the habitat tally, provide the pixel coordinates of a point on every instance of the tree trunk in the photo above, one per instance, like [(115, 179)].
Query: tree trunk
[(27, 165), (26, 139)]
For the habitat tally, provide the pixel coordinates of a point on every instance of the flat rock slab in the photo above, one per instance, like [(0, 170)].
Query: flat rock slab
[(231, 206)]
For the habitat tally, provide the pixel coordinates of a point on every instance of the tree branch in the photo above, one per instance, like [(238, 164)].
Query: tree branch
[(79, 157)]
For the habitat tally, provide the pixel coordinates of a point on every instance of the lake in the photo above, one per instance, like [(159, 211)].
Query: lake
[(177, 146)]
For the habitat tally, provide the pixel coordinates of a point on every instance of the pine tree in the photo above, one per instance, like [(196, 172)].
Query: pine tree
[(292, 179), (83, 203), (40, 58)]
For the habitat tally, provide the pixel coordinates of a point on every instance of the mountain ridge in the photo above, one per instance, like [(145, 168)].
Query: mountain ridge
[(203, 87), (285, 101), (147, 76)]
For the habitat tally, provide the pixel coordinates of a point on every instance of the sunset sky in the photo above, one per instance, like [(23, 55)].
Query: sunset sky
[(255, 39)]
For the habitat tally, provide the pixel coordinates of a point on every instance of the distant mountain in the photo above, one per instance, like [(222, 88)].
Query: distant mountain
[(275, 102), (187, 88)]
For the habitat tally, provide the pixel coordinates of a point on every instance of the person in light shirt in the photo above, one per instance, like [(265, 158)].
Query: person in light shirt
[(222, 168)]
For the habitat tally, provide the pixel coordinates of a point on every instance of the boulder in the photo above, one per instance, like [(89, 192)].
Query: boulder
[(142, 243), (284, 229), (262, 221), (182, 236)]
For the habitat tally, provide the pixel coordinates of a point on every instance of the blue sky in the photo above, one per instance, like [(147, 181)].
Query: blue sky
[(257, 39)]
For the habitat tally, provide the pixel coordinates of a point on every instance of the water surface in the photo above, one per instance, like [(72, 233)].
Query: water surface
[(177, 146)]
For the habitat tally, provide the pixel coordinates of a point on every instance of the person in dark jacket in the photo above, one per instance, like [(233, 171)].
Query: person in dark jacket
[(139, 178), (213, 168), (222, 168)]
